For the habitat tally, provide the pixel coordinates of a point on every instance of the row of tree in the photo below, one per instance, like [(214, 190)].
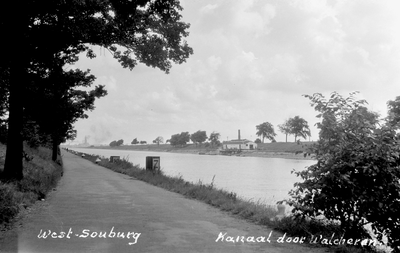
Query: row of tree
[(135, 141), (121, 142), (116, 143), (40, 99), (198, 137), (296, 126)]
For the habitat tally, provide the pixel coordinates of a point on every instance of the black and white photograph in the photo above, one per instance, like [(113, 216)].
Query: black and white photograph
[(200, 126)]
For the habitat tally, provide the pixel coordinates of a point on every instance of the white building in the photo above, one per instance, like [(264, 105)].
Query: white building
[(239, 144)]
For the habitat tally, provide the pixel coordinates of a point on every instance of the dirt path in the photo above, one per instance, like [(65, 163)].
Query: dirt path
[(97, 210)]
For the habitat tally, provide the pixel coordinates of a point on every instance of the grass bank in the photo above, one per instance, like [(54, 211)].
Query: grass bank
[(41, 175), (289, 150), (258, 213)]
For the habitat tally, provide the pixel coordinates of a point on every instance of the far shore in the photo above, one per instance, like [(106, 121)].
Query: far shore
[(266, 150)]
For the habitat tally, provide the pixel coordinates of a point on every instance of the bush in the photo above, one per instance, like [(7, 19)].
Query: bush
[(357, 174), (40, 176), (8, 205)]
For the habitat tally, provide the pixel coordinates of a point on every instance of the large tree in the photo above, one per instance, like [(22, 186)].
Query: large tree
[(147, 31), (266, 130), (180, 139), (198, 137), (159, 140), (214, 138), (285, 128), (299, 128), (60, 96)]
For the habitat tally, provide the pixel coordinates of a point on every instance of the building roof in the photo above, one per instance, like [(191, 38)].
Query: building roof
[(237, 142)]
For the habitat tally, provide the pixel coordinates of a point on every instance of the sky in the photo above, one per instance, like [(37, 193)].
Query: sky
[(253, 61)]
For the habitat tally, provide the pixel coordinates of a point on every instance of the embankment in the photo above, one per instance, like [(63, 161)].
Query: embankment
[(41, 175), (228, 202), (287, 150)]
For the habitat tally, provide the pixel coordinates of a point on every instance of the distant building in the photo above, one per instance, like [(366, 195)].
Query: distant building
[(239, 144)]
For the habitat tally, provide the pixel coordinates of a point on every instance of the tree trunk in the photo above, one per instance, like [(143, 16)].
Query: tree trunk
[(286, 137), (54, 149), (13, 164), (15, 59)]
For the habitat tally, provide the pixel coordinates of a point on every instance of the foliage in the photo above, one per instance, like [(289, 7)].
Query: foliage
[(299, 127), (59, 95), (266, 130), (296, 126), (356, 179), (198, 137), (116, 143), (394, 112), (135, 141), (143, 142), (285, 128), (9, 202), (253, 211), (214, 138), (257, 140), (4, 95), (180, 139), (159, 140), (149, 32), (3, 133), (41, 176)]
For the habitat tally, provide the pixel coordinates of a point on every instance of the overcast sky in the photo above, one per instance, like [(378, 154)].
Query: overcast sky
[(253, 60)]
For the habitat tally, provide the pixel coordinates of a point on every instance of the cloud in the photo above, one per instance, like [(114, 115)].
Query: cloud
[(214, 62), (209, 8), (252, 62), (252, 18)]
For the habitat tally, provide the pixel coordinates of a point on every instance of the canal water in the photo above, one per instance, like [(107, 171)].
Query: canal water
[(267, 180)]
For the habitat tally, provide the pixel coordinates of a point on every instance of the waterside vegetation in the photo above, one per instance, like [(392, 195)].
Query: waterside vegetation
[(275, 149), (41, 175), (256, 212)]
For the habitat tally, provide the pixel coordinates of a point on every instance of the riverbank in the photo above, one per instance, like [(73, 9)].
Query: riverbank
[(254, 212), (285, 150), (41, 176)]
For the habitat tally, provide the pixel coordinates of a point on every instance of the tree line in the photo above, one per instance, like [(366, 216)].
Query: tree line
[(296, 126), (40, 97)]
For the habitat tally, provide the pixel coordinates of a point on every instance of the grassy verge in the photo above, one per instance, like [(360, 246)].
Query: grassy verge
[(285, 147), (228, 201), (41, 175)]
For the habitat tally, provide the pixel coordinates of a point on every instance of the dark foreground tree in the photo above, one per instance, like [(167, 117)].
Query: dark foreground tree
[(356, 179), (59, 95), (147, 31), (393, 118)]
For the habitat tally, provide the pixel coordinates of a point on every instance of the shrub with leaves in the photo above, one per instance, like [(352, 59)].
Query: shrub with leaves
[(356, 179), (8, 204)]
